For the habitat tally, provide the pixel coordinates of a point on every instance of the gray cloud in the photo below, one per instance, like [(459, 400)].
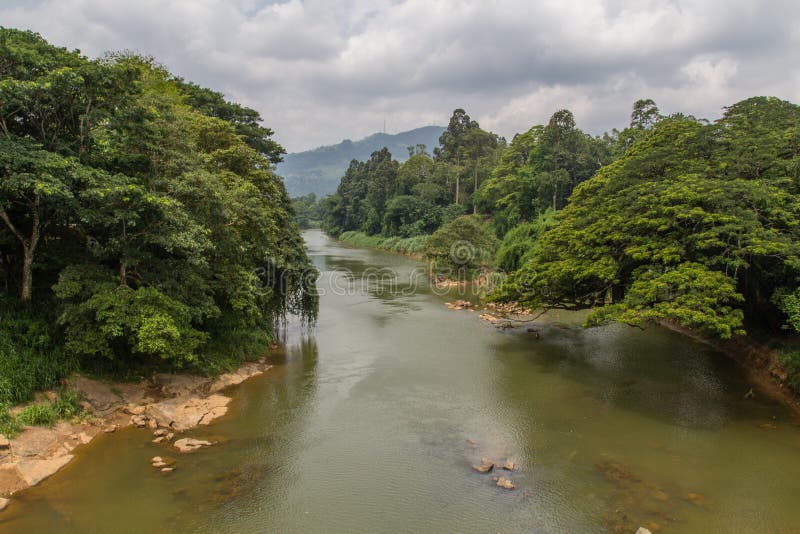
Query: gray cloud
[(320, 71)]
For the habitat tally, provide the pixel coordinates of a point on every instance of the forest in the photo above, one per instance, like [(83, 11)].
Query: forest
[(142, 225), (670, 219)]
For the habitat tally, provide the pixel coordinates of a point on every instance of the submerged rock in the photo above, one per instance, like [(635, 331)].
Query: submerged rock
[(191, 444), (485, 466), (504, 483), (643, 530), (509, 465)]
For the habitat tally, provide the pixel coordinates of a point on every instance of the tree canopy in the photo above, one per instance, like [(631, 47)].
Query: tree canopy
[(140, 207)]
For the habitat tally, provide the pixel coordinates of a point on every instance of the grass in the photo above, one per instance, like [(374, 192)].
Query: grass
[(65, 406), (401, 245), (31, 359)]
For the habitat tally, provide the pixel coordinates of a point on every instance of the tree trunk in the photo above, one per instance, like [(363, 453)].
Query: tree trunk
[(28, 248), (27, 274), (458, 185), (123, 273)]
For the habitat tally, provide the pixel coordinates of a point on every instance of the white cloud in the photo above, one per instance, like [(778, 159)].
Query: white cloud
[(320, 71)]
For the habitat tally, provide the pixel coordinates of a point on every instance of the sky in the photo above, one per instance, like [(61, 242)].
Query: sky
[(320, 71)]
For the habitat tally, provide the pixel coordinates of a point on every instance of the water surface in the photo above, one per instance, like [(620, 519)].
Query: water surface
[(367, 424)]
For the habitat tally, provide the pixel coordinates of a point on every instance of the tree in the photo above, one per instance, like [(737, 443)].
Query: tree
[(460, 247), (146, 208), (683, 227), (36, 188)]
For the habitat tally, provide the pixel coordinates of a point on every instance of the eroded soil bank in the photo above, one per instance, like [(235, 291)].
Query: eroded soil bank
[(167, 404)]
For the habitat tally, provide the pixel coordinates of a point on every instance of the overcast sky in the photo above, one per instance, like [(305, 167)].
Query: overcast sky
[(320, 71)]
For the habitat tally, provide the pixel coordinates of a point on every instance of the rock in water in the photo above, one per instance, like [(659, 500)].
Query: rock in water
[(643, 530), (509, 465), (4, 503), (505, 483), (190, 444), (139, 421), (486, 466)]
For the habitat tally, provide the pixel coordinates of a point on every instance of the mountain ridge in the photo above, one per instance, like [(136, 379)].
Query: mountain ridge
[(319, 170)]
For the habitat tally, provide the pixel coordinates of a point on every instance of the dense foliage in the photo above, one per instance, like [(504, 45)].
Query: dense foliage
[(382, 196), (140, 219), (695, 223)]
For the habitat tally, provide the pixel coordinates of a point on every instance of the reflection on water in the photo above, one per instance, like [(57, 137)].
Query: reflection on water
[(370, 423)]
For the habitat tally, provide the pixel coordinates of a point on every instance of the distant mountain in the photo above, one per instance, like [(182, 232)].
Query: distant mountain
[(319, 171)]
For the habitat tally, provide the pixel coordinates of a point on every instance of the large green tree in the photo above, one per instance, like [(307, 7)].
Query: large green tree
[(696, 223)]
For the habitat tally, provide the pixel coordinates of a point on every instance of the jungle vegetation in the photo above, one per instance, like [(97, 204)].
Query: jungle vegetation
[(141, 223)]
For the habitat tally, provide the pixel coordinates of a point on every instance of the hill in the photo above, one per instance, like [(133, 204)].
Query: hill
[(319, 171)]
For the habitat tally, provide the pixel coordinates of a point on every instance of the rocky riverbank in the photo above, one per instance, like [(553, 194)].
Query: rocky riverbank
[(167, 405)]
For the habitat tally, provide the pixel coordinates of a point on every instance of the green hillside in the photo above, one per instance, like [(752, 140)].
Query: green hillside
[(319, 171)]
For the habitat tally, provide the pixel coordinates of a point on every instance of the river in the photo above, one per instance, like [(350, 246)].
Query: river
[(371, 420)]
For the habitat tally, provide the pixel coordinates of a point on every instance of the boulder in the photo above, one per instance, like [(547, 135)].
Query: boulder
[(134, 409), (35, 441), (509, 465), (183, 413), (160, 432), (178, 385), (4, 503), (167, 469), (34, 471), (504, 483), (485, 466), (159, 439), (642, 530), (246, 371), (139, 421), (190, 444), (110, 429), (99, 396)]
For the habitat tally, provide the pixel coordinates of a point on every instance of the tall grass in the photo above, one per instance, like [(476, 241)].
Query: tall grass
[(401, 245), (31, 359)]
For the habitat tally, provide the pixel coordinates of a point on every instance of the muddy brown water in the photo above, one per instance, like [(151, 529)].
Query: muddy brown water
[(370, 422)]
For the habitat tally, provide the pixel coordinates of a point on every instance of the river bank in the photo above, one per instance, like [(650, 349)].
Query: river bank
[(761, 364), (407, 246), (166, 405)]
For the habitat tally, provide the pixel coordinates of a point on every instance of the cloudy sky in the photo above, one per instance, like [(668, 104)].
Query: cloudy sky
[(321, 70)]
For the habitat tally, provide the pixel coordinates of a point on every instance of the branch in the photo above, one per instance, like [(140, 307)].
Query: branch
[(4, 216)]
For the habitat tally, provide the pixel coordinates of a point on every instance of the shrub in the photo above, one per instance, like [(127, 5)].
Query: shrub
[(462, 246), (38, 415)]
